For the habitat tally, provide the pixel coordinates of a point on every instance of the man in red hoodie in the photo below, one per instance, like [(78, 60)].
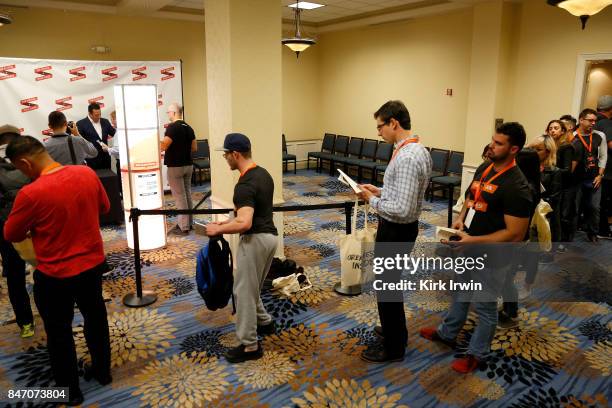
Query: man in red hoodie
[(61, 209)]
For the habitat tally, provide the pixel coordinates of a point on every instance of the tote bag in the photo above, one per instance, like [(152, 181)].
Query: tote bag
[(352, 249)]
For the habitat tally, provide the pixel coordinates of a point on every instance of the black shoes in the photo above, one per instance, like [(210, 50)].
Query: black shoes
[(75, 397), (266, 329), (592, 238), (378, 331), (103, 379), (378, 354), (239, 355)]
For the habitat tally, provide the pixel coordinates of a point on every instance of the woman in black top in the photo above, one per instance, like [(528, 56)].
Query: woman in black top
[(559, 131), (546, 148)]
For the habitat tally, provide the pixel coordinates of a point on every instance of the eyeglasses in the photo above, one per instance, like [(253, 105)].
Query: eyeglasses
[(381, 125), (227, 154)]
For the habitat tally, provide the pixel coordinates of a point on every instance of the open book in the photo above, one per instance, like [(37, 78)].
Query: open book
[(345, 179), (445, 233)]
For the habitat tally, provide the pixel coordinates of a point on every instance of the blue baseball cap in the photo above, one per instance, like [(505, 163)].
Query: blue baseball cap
[(235, 142)]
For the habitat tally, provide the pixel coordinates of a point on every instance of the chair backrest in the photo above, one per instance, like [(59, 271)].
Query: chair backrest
[(369, 149), (439, 158), (354, 148), (284, 144), (203, 150), (455, 163), (384, 151), (341, 145), (328, 142)]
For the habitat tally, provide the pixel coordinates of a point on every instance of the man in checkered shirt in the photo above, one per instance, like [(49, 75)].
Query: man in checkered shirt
[(398, 204)]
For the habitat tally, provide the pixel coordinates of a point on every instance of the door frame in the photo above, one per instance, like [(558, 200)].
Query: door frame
[(580, 80)]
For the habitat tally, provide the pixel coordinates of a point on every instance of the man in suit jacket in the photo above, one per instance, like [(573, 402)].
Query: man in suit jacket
[(97, 130)]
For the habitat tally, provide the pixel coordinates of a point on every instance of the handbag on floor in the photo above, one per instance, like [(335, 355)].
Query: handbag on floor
[(352, 248)]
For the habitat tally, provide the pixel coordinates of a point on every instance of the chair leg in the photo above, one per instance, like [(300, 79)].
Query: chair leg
[(451, 192), (295, 166), (373, 171)]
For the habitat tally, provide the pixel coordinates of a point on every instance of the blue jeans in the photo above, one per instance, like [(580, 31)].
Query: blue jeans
[(480, 343)]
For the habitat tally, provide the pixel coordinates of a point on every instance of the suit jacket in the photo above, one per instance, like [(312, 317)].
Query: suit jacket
[(86, 129)]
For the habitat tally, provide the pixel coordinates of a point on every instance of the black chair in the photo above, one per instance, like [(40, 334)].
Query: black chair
[(340, 150), (354, 152), (329, 139), (448, 182), (368, 154), (383, 155), (201, 160), (288, 157), (439, 158)]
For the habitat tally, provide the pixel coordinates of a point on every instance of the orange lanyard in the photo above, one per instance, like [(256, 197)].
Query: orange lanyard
[(403, 144), (50, 168), (252, 166), (590, 146), (486, 173)]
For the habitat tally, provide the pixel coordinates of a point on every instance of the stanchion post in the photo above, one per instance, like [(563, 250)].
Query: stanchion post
[(140, 298)]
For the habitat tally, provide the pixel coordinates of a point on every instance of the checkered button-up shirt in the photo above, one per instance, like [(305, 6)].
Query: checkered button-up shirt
[(405, 182)]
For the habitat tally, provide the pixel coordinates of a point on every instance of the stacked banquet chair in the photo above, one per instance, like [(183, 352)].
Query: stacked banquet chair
[(353, 153), (288, 157), (384, 151), (327, 148), (368, 155), (201, 160), (448, 181), (340, 151)]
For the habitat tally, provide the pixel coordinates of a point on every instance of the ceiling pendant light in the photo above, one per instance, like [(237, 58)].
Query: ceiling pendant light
[(298, 44), (5, 19), (581, 8)]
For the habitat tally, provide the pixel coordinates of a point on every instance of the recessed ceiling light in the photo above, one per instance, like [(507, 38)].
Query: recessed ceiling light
[(304, 5)]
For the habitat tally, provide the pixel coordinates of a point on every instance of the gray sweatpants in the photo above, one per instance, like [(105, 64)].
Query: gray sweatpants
[(255, 254), (179, 179)]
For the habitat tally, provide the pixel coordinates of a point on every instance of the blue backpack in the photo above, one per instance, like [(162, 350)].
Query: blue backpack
[(214, 273)]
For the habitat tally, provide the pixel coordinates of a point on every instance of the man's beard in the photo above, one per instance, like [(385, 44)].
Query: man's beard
[(498, 158)]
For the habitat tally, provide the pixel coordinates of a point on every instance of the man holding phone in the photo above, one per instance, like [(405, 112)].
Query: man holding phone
[(496, 210)]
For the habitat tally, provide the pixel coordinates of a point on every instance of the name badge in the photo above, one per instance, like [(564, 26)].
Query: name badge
[(469, 217), (490, 188)]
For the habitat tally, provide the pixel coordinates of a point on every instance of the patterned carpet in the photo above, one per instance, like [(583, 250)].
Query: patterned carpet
[(170, 353)]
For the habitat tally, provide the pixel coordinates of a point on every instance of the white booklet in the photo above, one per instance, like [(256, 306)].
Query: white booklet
[(445, 233), (345, 179)]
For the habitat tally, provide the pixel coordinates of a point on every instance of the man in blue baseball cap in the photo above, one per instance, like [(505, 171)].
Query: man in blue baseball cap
[(253, 197)]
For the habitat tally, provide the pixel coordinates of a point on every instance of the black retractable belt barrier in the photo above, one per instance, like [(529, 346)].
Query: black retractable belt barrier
[(144, 298)]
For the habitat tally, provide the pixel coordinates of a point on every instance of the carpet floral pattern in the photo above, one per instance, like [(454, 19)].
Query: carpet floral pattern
[(170, 354)]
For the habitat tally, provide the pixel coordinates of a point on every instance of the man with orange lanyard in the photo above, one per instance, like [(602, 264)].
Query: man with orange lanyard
[(496, 210), (253, 198), (61, 209), (592, 153), (398, 205)]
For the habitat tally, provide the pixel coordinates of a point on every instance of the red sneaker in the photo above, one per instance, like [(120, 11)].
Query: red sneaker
[(431, 334), (466, 364)]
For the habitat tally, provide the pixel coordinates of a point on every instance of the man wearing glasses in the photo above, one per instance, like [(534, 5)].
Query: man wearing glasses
[(179, 143), (398, 205), (253, 198)]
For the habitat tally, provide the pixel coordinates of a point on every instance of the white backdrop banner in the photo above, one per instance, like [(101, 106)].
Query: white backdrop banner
[(30, 89)]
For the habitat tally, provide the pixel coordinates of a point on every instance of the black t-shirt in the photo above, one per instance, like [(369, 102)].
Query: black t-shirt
[(255, 189), (605, 125), (588, 162), (178, 153), (565, 155), (511, 197)]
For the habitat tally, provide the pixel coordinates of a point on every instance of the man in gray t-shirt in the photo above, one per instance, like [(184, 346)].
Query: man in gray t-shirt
[(58, 145)]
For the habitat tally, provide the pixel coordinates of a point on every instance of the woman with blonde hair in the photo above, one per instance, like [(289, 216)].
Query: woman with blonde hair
[(559, 131)]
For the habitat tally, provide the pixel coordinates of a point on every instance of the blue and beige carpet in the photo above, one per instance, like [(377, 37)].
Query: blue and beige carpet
[(170, 353)]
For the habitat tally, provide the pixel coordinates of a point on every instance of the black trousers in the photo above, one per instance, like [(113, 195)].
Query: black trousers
[(391, 313), (605, 207), (118, 170), (14, 268), (55, 299), (568, 212)]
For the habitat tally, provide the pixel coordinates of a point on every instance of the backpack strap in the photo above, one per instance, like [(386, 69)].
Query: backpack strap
[(71, 147), (226, 248)]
